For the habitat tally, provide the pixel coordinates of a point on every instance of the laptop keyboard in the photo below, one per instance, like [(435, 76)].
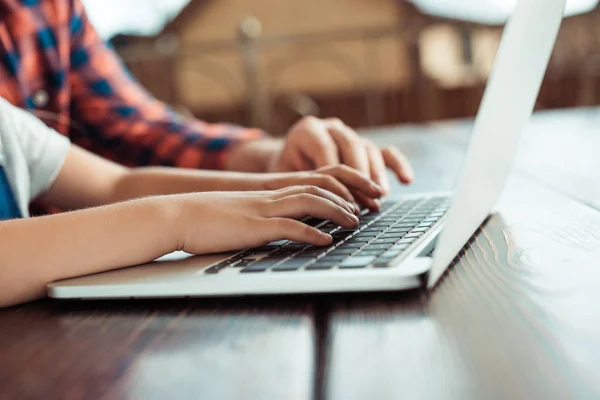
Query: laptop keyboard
[(380, 238)]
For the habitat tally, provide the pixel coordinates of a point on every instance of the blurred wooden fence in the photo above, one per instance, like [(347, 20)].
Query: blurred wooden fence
[(573, 77)]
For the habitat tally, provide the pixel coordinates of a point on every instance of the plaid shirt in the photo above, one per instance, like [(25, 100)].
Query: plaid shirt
[(53, 63)]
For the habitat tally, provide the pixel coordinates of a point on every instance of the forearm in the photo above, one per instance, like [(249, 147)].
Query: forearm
[(141, 182), (37, 251), (87, 180)]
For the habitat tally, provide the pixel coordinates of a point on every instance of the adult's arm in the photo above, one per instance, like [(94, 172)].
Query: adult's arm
[(123, 122)]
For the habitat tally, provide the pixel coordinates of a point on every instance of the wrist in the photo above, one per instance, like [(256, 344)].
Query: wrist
[(169, 216), (254, 155)]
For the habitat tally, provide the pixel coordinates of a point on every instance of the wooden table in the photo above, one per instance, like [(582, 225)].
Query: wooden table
[(517, 317)]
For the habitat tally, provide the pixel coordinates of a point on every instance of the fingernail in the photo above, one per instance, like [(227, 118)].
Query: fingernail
[(352, 218), (377, 187)]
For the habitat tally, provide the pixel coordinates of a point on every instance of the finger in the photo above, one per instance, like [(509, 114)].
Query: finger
[(377, 167), (315, 191), (287, 229), (299, 162), (330, 184), (398, 163), (369, 203), (307, 205), (318, 146), (354, 179), (349, 146)]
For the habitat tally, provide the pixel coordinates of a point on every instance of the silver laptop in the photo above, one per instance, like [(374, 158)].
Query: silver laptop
[(409, 243)]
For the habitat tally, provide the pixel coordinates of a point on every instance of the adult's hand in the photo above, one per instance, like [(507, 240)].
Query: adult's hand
[(314, 143)]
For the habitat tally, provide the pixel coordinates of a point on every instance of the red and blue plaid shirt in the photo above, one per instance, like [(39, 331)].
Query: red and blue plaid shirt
[(53, 63)]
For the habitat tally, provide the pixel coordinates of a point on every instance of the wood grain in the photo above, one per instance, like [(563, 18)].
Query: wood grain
[(183, 349), (515, 317), (561, 150)]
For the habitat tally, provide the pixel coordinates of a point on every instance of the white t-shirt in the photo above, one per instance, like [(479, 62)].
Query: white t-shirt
[(31, 154)]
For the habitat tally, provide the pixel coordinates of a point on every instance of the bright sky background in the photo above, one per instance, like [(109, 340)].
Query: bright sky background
[(142, 17), (147, 17), (489, 11)]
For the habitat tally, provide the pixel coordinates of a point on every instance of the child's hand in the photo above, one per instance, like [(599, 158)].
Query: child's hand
[(346, 182), (222, 221)]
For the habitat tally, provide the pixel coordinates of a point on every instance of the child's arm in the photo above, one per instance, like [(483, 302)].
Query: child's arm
[(37, 251), (108, 183)]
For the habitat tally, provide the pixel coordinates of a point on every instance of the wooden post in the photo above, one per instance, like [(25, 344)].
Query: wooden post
[(249, 32)]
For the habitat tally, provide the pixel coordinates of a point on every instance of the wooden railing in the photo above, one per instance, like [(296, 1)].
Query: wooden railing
[(572, 80)]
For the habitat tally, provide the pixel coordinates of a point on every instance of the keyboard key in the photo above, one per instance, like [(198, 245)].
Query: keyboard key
[(217, 267), (357, 262), (378, 246), (348, 245), (425, 229), (387, 205), (393, 235), (293, 264), (367, 235), (243, 263), (404, 225), (413, 235), (400, 229), (371, 229), (384, 240), (333, 259), (313, 221), (322, 265), (275, 257), (278, 243), (405, 241), (391, 254), (346, 231), (378, 225), (425, 224), (359, 238), (342, 252), (399, 247), (284, 252), (254, 257), (314, 252), (295, 246), (263, 249), (376, 253), (340, 236), (260, 266), (319, 267)]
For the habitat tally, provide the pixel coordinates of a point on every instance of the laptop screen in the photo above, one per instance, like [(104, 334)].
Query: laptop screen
[(505, 110)]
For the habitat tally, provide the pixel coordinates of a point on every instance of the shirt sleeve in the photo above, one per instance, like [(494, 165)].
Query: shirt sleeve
[(122, 122), (44, 149)]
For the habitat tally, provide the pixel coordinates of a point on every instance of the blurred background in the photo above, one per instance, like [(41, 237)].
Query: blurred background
[(266, 63)]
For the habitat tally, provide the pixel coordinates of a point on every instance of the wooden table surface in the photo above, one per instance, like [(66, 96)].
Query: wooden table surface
[(518, 316)]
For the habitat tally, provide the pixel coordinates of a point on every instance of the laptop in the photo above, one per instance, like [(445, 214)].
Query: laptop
[(409, 243)]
